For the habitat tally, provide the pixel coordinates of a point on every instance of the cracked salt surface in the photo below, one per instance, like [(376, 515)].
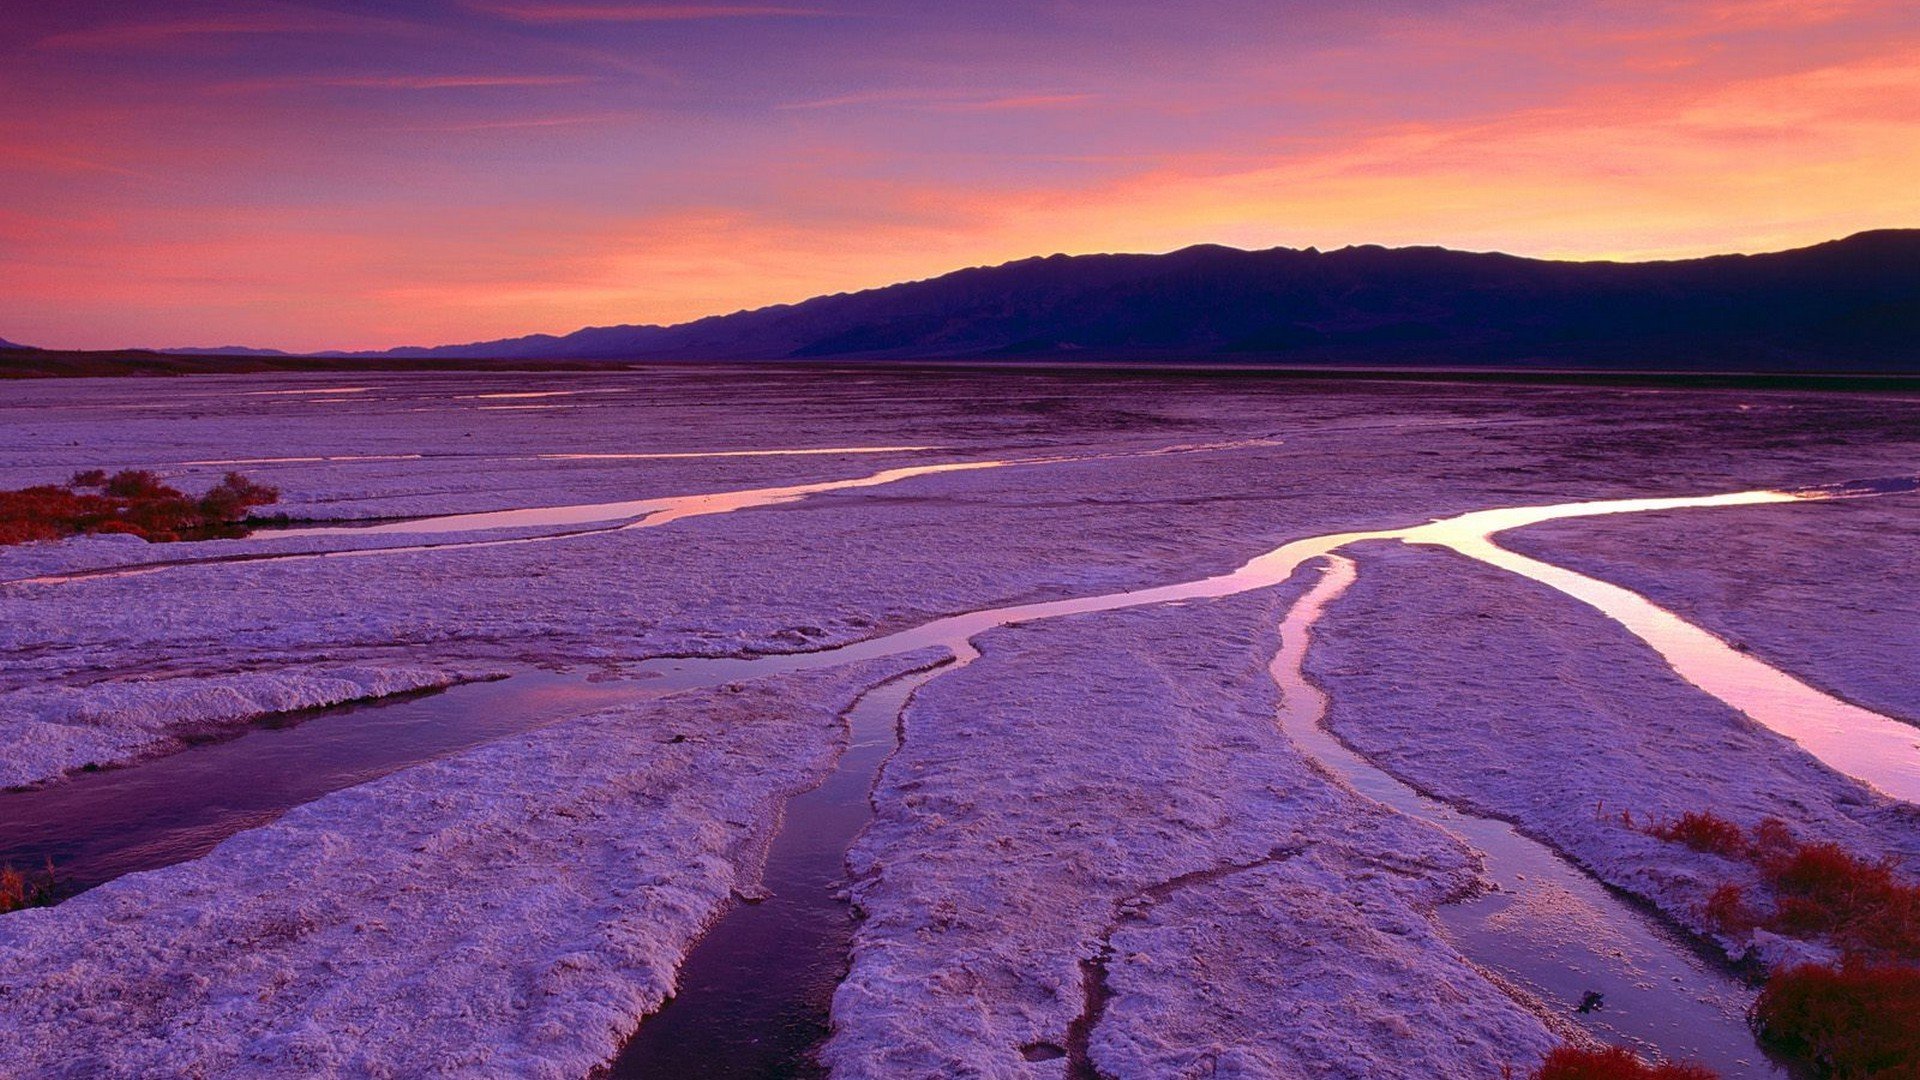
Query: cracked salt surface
[(1666, 998), (1309, 965), (1702, 1021)]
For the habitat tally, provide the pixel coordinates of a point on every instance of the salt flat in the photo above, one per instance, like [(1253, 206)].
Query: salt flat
[(1039, 792)]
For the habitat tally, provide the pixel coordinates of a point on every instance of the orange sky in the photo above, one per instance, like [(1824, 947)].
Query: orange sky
[(358, 175)]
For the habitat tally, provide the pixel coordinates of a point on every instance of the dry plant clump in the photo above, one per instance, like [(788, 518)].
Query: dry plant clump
[(1704, 831), (132, 501), (1613, 1063), (18, 890), (1853, 1019)]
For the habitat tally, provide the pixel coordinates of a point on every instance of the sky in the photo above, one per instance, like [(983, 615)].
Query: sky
[(351, 174)]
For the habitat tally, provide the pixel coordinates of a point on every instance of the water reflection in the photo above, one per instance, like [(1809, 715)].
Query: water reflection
[(1865, 745), (649, 512), (1548, 928)]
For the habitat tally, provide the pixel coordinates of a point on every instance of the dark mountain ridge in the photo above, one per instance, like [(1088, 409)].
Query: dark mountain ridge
[(1851, 304)]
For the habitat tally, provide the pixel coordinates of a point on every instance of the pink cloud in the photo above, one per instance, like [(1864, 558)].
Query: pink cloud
[(156, 34), (567, 12), (946, 101)]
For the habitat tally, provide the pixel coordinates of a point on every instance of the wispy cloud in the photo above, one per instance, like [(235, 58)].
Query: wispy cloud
[(946, 101), (1018, 103), (55, 161), (449, 82), (149, 34), (523, 122), (402, 82), (568, 13)]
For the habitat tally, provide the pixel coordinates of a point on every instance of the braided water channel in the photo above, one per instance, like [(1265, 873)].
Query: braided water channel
[(760, 980)]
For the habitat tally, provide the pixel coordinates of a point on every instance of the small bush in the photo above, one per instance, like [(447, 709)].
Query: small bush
[(131, 501), (1858, 1020), (18, 890), (1613, 1063), (1727, 909), (138, 484), (1704, 831), (1827, 892), (1820, 891)]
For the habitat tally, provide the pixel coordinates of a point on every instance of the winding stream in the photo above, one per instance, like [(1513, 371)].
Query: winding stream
[(1550, 928), (752, 997)]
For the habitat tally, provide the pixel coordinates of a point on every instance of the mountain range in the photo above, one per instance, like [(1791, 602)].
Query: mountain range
[(1846, 305)]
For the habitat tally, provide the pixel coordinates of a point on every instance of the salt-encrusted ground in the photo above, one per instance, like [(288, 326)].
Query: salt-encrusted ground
[(1154, 816), (50, 730), (1119, 757), (1825, 590), (511, 911), (1492, 692)]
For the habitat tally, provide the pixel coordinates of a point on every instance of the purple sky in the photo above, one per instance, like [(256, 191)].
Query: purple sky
[(350, 174)]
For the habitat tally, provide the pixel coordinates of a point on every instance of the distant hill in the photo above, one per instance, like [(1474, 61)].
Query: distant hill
[(223, 350), (5, 344), (27, 363), (1851, 304)]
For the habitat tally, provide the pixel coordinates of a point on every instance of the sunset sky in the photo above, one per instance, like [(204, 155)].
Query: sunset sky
[(359, 174)]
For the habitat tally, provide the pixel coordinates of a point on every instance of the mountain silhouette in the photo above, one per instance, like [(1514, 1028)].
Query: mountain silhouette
[(1851, 304)]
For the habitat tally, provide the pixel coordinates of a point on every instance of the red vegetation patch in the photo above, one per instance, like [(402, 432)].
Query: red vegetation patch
[(131, 501), (18, 890), (1613, 1063), (1728, 909), (1704, 831), (1819, 891), (1824, 891), (1860, 1019)]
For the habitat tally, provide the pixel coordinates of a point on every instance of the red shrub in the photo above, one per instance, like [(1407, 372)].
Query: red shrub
[(18, 890), (1860, 1019), (234, 496), (1704, 831), (131, 501), (1613, 1063), (1772, 838), (1826, 891), (1820, 891), (1857, 1020), (1727, 909), (139, 484)]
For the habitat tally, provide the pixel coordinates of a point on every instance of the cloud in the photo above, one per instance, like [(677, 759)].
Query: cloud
[(47, 159), (567, 13), (1019, 103), (449, 82), (946, 101), (402, 82), (157, 34), (523, 122)]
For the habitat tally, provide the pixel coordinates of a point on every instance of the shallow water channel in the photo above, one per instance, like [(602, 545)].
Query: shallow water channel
[(96, 826), (1549, 928), (754, 992)]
